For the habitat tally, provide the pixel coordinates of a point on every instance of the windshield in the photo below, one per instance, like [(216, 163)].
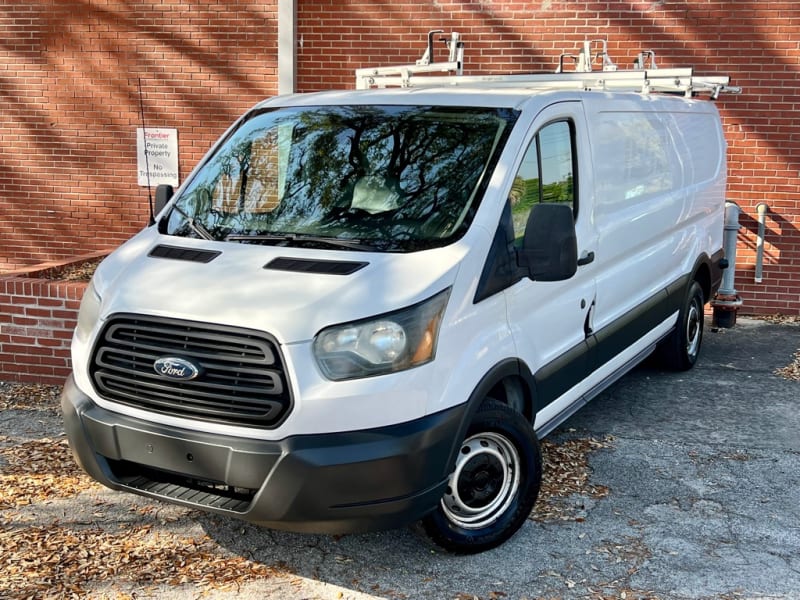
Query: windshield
[(391, 178)]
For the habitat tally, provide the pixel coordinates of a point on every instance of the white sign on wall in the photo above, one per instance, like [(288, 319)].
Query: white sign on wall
[(157, 156)]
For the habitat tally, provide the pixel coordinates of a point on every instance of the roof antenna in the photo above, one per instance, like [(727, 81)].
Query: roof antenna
[(146, 161)]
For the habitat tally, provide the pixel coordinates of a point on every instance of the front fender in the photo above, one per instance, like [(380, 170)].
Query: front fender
[(493, 380)]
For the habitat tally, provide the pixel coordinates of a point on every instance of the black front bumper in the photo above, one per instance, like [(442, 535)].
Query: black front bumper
[(327, 483)]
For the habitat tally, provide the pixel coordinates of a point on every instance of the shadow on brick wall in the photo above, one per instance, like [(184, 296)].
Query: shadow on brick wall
[(778, 291)]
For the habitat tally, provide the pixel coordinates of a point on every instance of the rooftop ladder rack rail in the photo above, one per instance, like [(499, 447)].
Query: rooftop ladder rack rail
[(401, 75), (608, 78)]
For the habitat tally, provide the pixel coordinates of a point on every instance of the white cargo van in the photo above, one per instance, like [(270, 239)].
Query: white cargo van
[(363, 308)]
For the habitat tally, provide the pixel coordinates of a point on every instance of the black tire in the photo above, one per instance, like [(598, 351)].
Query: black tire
[(494, 485), (679, 351)]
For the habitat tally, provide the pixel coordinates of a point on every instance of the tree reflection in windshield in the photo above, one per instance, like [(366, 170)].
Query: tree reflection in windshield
[(397, 177)]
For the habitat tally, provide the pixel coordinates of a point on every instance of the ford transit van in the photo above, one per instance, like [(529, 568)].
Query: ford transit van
[(364, 308)]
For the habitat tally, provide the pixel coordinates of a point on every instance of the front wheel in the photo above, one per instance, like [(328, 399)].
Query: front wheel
[(680, 350), (494, 484)]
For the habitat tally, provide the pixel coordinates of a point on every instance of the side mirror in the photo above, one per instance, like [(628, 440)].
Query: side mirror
[(549, 247), (163, 195)]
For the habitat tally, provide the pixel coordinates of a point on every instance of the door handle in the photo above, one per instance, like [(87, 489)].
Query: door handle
[(586, 259)]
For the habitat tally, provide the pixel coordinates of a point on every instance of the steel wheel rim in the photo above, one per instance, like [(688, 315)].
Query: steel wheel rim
[(484, 483), (693, 329)]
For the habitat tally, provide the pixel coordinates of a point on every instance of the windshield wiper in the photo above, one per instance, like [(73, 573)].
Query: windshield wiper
[(277, 238), (194, 225)]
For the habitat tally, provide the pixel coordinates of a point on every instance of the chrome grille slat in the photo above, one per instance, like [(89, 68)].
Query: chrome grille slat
[(242, 379)]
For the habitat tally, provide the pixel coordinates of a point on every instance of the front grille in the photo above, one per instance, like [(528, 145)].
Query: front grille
[(241, 381)]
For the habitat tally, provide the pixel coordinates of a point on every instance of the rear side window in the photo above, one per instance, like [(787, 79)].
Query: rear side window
[(547, 173)]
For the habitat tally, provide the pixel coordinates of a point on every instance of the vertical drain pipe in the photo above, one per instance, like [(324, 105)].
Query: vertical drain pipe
[(727, 302), (762, 209)]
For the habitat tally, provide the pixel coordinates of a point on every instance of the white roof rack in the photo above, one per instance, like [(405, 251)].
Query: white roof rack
[(584, 77)]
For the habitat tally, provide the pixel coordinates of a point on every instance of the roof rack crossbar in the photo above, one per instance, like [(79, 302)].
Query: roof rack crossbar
[(427, 73), (401, 75)]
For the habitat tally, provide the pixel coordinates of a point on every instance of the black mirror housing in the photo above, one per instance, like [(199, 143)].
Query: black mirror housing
[(164, 193), (549, 247)]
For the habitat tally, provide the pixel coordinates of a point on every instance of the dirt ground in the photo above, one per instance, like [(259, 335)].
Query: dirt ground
[(62, 533), (667, 486)]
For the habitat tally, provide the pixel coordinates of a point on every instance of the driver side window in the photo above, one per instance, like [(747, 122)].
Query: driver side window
[(547, 174)]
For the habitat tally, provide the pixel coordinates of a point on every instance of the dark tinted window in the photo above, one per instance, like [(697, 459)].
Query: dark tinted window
[(546, 174)]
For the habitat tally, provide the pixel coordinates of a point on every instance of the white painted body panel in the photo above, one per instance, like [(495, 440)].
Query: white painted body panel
[(293, 307), (639, 249), (651, 238)]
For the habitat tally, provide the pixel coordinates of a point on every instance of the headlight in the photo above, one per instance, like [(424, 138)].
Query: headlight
[(383, 344), (88, 314)]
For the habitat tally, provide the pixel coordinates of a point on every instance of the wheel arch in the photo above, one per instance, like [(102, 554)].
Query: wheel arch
[(511, 382), (701, 273)]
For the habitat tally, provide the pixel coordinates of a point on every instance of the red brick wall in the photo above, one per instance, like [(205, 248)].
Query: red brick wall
[(69, 75), (37, 317), (755, 43)]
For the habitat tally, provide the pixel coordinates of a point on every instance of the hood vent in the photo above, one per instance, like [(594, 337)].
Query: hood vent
[(318, 267), (177, 253)]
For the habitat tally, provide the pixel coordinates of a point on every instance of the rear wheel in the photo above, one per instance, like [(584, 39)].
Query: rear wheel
[(493, 486), (680, 350)]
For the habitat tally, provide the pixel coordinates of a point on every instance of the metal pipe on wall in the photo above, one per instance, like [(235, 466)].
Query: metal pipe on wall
[(762, 209), (287, 46), (727, 302)]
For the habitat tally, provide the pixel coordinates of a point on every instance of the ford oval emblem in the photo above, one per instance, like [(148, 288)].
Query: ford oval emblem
[(175, 367)]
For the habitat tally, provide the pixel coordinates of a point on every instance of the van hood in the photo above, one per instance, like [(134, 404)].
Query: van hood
[(291, 293)]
